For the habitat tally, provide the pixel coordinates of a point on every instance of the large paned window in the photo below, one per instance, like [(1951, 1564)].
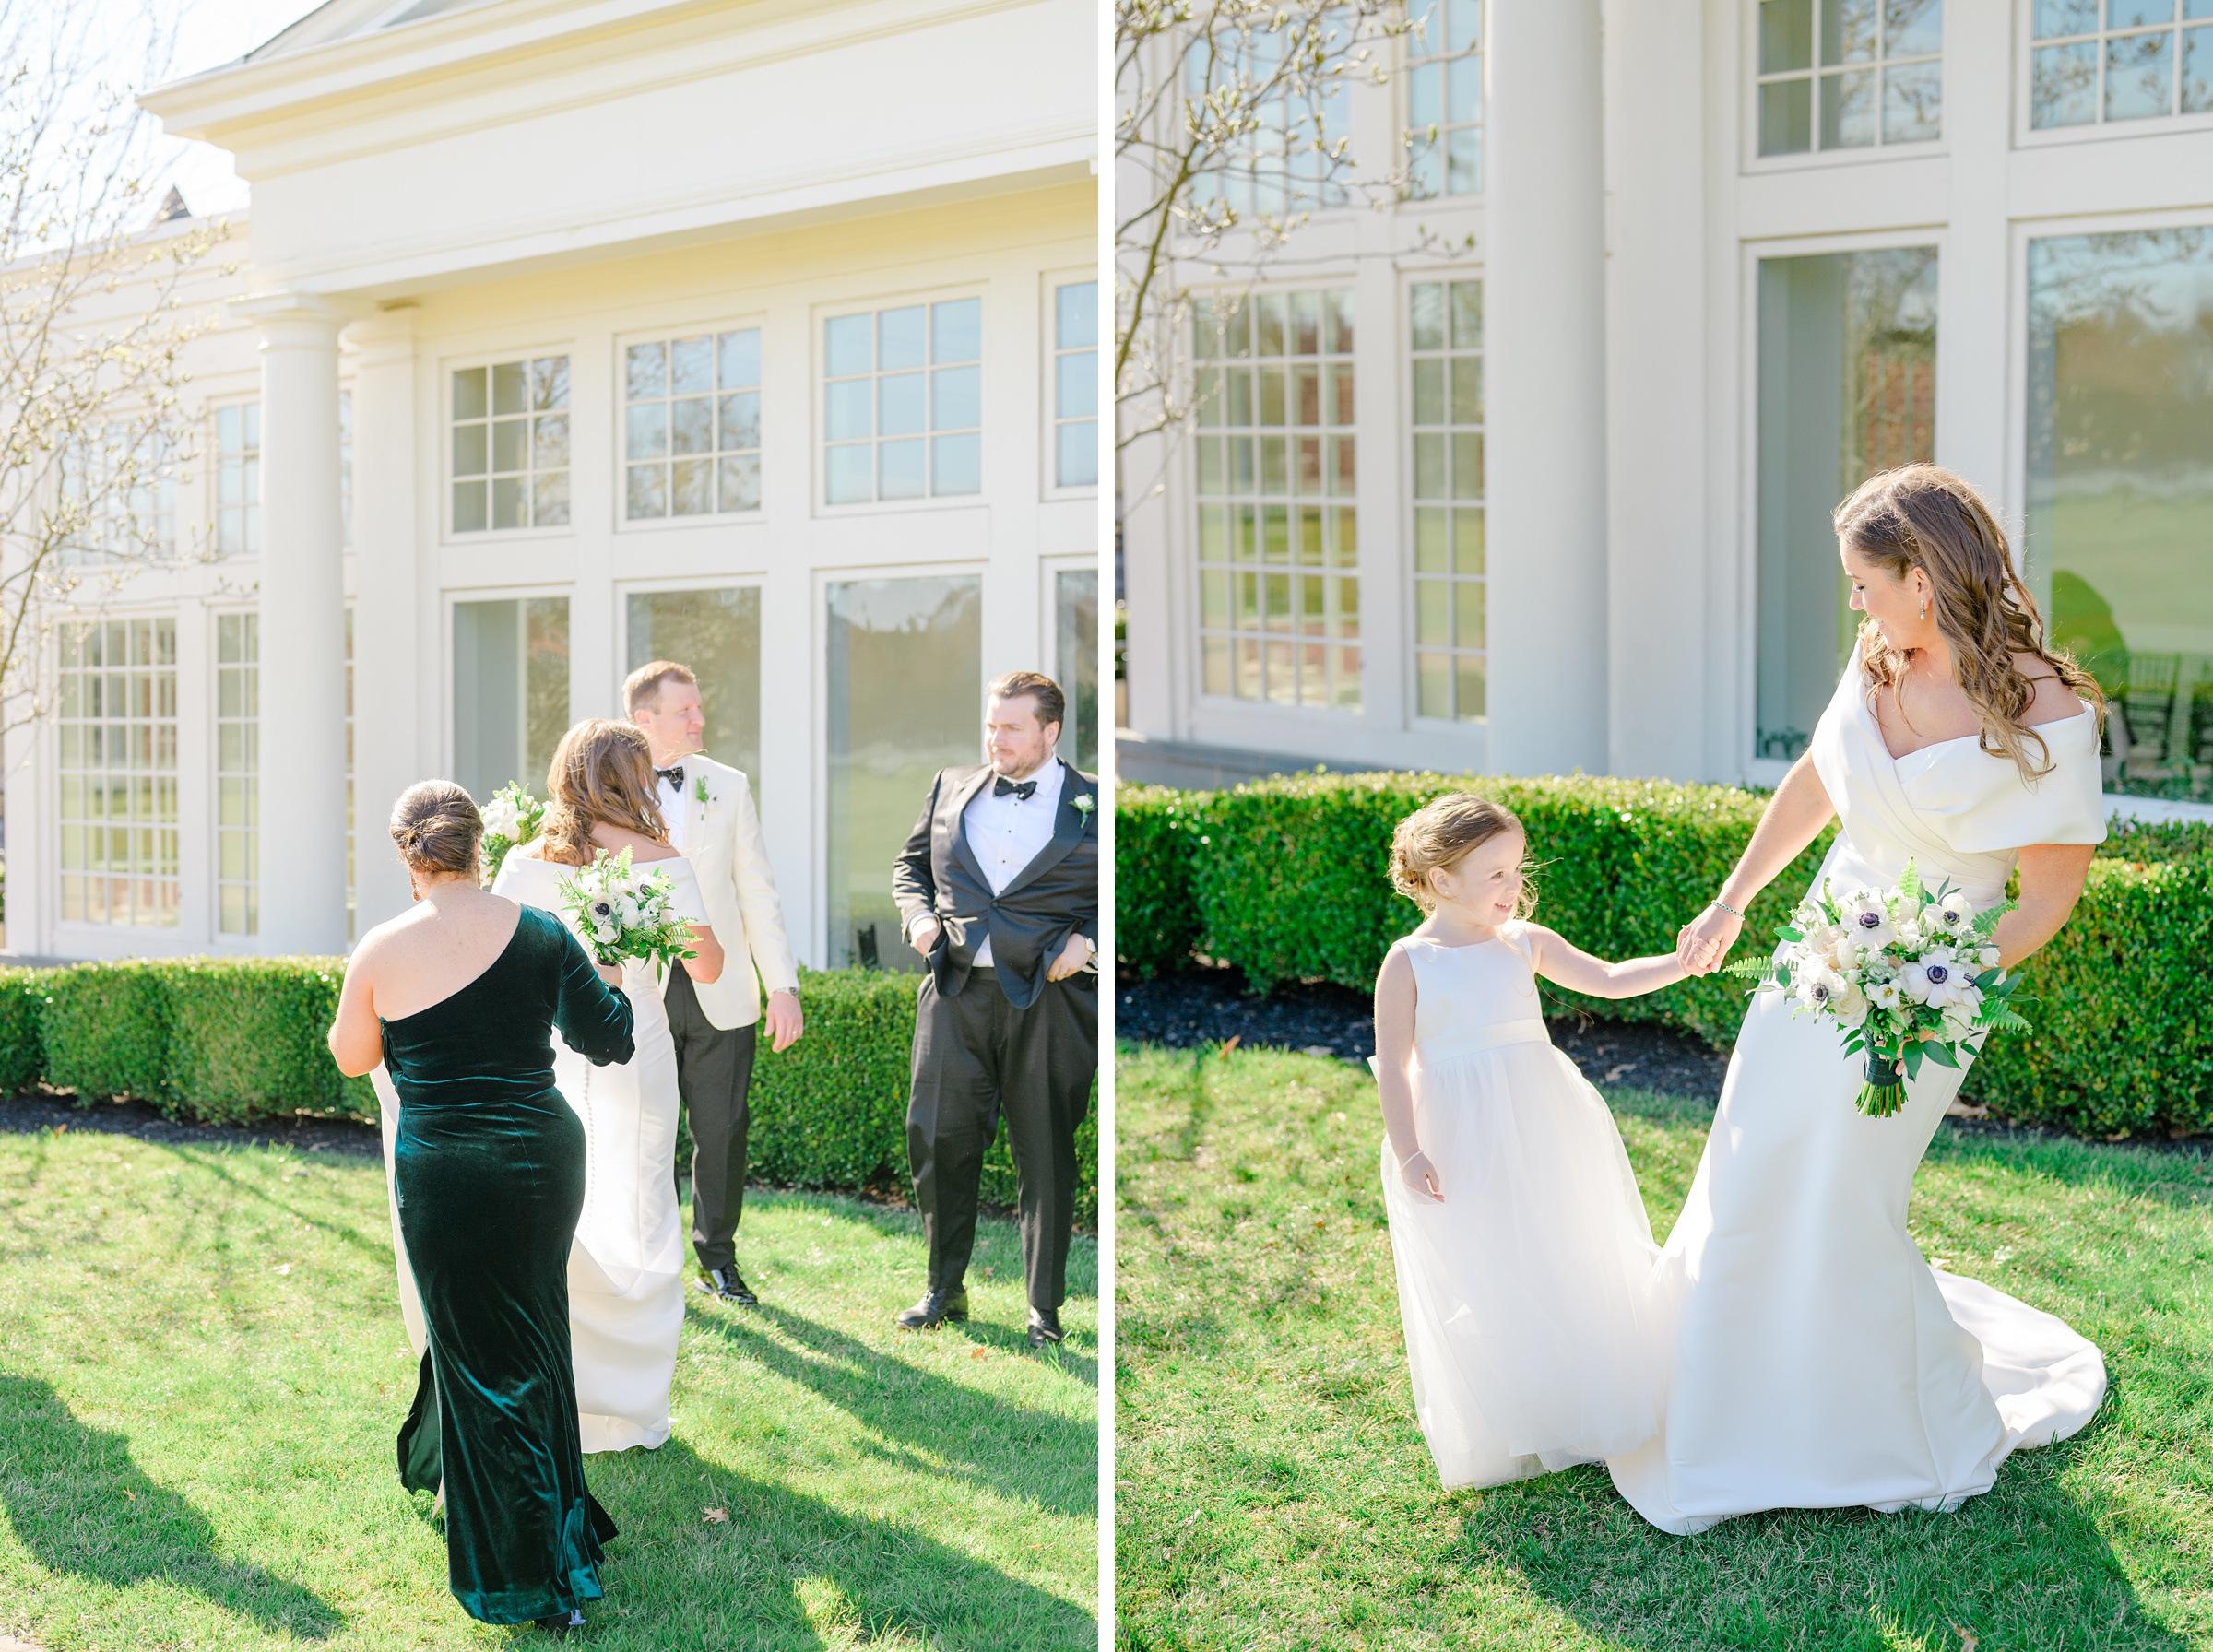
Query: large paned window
[(1444, 97), (903, 401), (1076, 656), (115, 727), (905, 700), (1290, 164), (511, 445), (511, 691), (1076, 384), (692, 426), (1850, 74), (1847, 387), (2126, 60), (1448, 585), (122, 483), (238, 479), (1279, 586), (717, 633), (2120, 523), (238, 773)]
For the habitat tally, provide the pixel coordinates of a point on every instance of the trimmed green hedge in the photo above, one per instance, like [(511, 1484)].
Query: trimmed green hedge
[(1286, 879), (226, 1040)]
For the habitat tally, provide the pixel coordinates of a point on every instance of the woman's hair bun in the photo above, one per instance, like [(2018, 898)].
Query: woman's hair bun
[(437, 827)]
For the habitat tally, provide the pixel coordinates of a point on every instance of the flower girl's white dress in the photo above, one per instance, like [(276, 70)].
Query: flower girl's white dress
[(1525, 1293)]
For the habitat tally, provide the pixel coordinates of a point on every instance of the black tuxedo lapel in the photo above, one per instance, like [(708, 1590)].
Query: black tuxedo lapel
[(956, 810), (1069, 826)]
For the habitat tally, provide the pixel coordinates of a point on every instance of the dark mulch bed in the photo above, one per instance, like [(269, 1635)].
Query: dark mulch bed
[(1204, 1006), (27, 1114)]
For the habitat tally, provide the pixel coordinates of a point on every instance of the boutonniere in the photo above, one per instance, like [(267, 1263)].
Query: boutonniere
[(699, 793), (1083, 803)]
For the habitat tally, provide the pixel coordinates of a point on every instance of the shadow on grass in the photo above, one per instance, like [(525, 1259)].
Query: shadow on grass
[(79, 1504), (986, 1440), (2022, 1566), (788, 1570)]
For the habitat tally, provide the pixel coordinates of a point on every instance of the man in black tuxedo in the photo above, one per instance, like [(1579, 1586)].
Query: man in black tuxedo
[(1002, 870)]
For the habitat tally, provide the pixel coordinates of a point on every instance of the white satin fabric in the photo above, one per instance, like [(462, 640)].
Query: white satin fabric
[(1524, 1293), (1815, 1359)]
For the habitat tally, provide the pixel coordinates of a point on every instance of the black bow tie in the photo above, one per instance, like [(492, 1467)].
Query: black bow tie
[(675, 776), (1002, 786)]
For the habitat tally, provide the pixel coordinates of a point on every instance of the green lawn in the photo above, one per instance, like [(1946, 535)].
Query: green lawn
[(202, 1370), (1274, 1491)]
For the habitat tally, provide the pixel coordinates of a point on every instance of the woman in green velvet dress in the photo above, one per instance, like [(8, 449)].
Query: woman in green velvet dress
[(458, 998)]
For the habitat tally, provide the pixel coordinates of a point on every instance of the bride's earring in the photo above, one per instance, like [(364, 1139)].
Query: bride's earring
[(1925, 607)]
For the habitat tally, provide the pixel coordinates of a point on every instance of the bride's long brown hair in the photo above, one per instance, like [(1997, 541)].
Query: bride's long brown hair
[(602, 771), (1924, 516)]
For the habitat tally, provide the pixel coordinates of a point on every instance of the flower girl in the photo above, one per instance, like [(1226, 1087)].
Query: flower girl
[(1524, 1258)]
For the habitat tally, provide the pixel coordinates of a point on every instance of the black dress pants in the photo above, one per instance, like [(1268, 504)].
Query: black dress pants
[(713, 1070), (977, 1057)]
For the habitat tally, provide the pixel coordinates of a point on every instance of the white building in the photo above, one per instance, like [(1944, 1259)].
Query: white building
[(1562, 500), (570, 334)]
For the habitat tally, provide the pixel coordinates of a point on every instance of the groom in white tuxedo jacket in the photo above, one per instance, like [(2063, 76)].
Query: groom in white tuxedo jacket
[(712, 821)]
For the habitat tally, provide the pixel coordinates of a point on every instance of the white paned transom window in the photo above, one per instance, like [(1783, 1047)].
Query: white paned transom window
[(1444, 97), (1279, 588), (692, 426), (903, 402), (1449, 586), (115, 724), (1849, 74), (238, 479), (1076, 384), (2126, 60), (122, 486), (511, 445)]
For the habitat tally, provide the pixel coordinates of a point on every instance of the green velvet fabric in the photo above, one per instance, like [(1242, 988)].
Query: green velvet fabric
[(489, 1171)]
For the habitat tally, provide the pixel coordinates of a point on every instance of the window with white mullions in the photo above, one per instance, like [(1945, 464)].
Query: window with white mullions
[(692, 426), (238, 479), (2128, 59), (1444, 97), (1076, 384), (904, 403), (1291, 164), (1450, 588), (122, 483), (1849, 74), (511, 445), (116, 731)]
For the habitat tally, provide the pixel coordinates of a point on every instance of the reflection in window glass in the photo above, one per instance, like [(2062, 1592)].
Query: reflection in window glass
[(511, 445), (1847, 387), (1279, 588), (1849, 74), (692, 426), (903, 403), (1449, 584), (511, 691), (2139, 66), (1076, 667), (2120, 523), (1076, 384), (238, 773), (116, 728), (717, 633), (905, 700), (1444, 97)]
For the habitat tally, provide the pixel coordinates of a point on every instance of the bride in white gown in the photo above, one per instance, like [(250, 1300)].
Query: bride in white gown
[(1818, 1361), (626, 1291)]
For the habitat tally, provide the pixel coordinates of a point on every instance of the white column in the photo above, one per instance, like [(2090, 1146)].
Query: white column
[(1545, 405), (394, 664), (303, 766)]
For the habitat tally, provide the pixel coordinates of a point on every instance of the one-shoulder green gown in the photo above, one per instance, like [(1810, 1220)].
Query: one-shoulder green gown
[(489, 1169)]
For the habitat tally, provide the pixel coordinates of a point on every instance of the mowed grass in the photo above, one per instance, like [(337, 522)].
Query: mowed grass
[(1274, 1491), (203, 1368)]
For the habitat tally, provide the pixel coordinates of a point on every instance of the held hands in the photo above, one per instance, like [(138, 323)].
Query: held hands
[(1420, 1175), (1704, 942)]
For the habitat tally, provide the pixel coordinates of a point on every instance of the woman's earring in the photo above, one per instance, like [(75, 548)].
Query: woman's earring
[(1925, 607)]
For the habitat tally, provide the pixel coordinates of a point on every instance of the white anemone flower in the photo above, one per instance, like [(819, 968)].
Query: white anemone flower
[(1867, 920), (1937, 978), (1953, 916), (1822, 989)]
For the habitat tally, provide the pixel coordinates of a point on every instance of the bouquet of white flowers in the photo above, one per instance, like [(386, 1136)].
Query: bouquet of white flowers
[(626, 914), (511, 820), (1908, 974)]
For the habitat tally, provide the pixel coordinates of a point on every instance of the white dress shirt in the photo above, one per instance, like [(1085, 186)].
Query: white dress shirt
[(676, 808), (1006, 833)]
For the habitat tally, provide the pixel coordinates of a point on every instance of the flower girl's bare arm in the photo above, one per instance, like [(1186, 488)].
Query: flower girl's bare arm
[(1394, 1050), (1576, 969)]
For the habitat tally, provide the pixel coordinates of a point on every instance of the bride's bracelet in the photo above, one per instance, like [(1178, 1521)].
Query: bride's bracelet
[(1729, 909)]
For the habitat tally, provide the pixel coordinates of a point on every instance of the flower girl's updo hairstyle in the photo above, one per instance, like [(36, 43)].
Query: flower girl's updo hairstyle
[(602, 771), (1439, 834), (1923, 516), (437, 827)]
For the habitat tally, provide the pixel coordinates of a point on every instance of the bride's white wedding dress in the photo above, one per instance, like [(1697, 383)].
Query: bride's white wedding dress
[(1818, 1361)]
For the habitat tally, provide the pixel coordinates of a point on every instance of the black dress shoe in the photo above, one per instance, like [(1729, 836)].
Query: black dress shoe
[(1044, 1326), (936, 1307), (561, 1622), (729, 1284)]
